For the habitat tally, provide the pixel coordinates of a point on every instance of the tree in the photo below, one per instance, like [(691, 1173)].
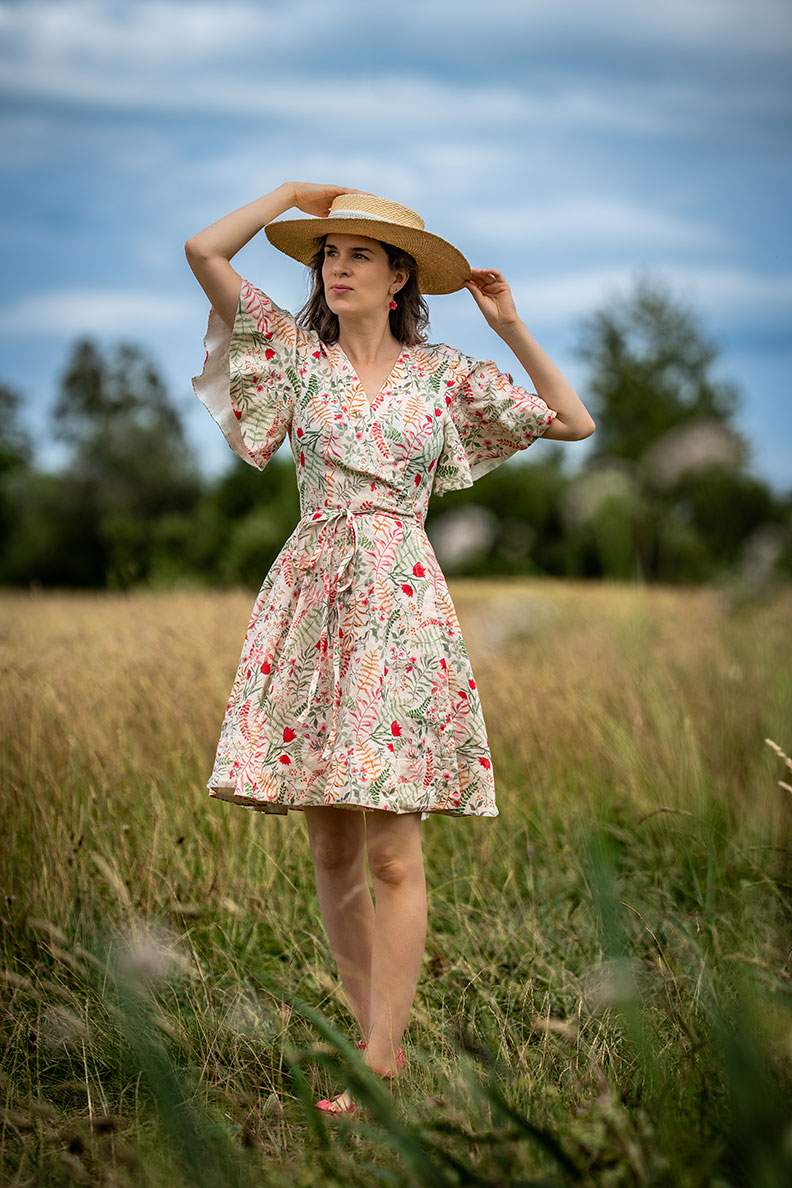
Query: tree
[(685, 504), (16, 454), (128, 450), (650, 371)]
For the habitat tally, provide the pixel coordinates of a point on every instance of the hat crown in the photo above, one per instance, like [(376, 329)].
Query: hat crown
[(372, 207)]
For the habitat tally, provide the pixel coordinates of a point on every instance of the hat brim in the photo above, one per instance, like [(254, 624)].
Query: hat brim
[(441, 267)]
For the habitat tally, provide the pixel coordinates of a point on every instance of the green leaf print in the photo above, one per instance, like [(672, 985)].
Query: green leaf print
[(419, 710), (396, 614), (436, 378), (375, 788)]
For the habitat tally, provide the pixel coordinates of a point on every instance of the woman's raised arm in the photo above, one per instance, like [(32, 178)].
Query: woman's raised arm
[(209, 251), (493, 296)]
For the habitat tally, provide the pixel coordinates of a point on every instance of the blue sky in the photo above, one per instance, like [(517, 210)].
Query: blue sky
[(572, 145)]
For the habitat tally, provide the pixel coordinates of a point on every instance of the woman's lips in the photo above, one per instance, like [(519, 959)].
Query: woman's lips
[(341, 289)]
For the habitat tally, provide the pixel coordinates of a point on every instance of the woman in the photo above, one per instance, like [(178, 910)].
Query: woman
[(354, 688)]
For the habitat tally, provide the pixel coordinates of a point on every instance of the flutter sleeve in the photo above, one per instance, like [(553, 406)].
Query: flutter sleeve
[(250, 378), (487, 419)]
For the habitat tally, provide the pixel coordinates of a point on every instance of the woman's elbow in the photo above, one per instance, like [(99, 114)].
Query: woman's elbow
[(563, 429)]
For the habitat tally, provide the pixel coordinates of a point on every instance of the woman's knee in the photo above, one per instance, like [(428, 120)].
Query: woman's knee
[(337, 844), (395, 856)]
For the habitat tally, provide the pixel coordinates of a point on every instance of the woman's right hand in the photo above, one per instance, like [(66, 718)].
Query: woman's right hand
[(315, 199)]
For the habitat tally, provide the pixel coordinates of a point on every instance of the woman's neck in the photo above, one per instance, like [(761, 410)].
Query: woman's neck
[(367, 343)]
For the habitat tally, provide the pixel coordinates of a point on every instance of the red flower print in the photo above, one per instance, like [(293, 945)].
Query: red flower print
[(302, 458), (300, 432), (417, 480), (438, 412), (289, 734), (265, 668), (484, 762), (472, 683), (391, 748), (315, 354), (237, 414), (448, 399), (407, 589), (396, 730), (284, 759), (269, 353), (249, 671), (386, 671), (443, 664), (419, 570)]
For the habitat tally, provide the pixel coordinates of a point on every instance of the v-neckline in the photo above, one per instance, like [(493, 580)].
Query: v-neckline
[(385, 384)]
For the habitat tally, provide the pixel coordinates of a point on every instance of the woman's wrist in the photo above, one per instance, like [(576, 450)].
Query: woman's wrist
[(511, 329), (289, 192)]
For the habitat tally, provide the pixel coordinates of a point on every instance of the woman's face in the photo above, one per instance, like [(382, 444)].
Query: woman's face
[(357, 275)]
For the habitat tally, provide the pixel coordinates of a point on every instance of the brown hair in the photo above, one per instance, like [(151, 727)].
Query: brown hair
[(408, 322)]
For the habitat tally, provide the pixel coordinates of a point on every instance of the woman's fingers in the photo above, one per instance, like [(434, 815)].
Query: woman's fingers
[(487, 276)]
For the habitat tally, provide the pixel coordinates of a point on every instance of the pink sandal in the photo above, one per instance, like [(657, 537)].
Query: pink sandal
[(331, 1105)]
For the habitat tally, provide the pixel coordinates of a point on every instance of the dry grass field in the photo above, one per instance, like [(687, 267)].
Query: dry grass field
[(607, 991)]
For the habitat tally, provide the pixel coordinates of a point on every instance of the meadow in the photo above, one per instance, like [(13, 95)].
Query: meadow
[(606, 996)]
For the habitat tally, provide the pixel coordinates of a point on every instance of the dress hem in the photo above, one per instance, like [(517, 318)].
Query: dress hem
[(280, 808)]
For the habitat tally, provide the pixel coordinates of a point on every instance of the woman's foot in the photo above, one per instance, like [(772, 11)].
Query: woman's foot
[(343, 1103)]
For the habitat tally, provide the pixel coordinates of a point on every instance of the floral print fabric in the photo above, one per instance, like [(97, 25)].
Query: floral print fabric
[(354, 687)]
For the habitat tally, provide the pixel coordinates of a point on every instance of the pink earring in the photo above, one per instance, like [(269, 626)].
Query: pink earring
[(392, 304)]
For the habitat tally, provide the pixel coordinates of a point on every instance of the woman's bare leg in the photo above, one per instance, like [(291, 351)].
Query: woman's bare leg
[(379, 954), (337, 838), (393, 842)]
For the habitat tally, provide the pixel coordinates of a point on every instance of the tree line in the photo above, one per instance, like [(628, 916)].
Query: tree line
[(665, 494)]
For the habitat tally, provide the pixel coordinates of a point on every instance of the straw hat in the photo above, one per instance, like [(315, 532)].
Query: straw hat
[(441, 268)]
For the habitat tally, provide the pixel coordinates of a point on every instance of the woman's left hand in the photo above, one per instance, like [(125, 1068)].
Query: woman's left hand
[(493, 297)]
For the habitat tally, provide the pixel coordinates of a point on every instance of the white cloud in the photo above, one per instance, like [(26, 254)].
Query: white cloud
[(96, 311), (725, 296), (153, 31), (605, 221), (253, 61)]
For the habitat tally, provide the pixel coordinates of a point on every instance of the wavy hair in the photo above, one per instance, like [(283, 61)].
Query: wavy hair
[(408, 322)]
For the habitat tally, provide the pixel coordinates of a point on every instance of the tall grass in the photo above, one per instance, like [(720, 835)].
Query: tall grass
[(606, 995)]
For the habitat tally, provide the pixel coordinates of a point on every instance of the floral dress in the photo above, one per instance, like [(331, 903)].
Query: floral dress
[(354, 686)]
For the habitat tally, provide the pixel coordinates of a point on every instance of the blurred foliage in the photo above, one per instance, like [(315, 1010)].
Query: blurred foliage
[(664, 494), (649, 371)]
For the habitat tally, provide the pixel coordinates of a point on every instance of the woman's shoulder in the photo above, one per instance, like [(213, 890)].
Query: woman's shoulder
[(434, 355), (271, 318)]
